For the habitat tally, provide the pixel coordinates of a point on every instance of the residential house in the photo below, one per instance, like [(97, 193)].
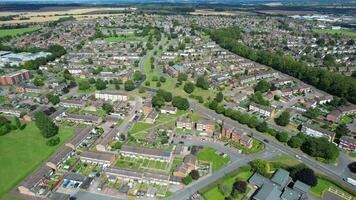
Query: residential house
[(114, 173), (72, 103), (169, 110), (103, 159), (84, 119), (112, 95), (205, 126), (314, 131), (146, 153), (184, 123), (262, 110), (348, 143), (151, 117)]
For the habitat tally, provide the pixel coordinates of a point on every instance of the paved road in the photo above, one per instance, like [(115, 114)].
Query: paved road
[(124, 126), (327, 170)]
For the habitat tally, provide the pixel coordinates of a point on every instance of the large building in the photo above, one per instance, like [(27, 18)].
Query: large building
[(112, 96), (15, 77), (262, 110), (205, 126), (279, 187)]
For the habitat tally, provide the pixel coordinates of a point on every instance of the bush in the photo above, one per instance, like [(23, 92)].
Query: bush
[(240, 186), (194, 174), (187, 180), (53, 141), (189, 87)]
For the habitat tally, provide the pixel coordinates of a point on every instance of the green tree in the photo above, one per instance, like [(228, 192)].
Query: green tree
[(45, 124), (187, 180), (108, 108), (283, 119), (84, 84), (189, 87), (262, 127), (263, 86), (312, 113), (54, 99), (202, 83), (180, 103), (341, 130), (219, 97), (158, 101), (100, 84), (282, 136), (296, 141), (129, 85), (137, 76)]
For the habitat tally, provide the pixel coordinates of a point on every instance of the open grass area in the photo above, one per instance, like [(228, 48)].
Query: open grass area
[(346, 33), (213, 193), (140, 126), (210, 155), (123, 37), (22, 151), (17, 31)]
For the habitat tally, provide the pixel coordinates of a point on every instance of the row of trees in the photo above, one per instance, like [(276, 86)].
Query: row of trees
[(333, 83)]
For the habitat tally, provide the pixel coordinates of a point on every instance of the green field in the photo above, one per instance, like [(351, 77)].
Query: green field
[(17, 31), (209, 155), (22, 151), (243, 173), (337, 32), (123, 37)]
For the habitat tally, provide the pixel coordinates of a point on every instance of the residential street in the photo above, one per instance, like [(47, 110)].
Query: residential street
[(334, 173)]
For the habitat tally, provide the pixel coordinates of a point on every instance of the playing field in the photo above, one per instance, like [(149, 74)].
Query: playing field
[(22, 151), (17, 31)]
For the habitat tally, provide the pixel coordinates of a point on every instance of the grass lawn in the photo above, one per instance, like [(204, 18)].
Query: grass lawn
[(243, 173), (323, 185), (209, 155), (22, 151), (17, 31), (140, 126), (3, 99), (286, 161), (338, 32)]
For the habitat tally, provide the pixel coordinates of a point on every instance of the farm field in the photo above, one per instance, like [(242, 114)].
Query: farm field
[(45, 16), (17, 31), (22, 151)]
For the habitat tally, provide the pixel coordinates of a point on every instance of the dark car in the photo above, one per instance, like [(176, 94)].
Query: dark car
[(266, 141)]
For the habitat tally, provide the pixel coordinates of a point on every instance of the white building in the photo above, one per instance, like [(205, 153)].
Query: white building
[(112, 96)]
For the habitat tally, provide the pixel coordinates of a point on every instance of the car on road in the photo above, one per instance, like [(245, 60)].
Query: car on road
[(181, 142), (266, 141)]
